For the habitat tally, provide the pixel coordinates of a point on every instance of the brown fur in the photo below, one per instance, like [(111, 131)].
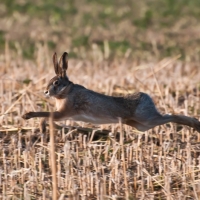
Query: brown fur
[(80, 104)]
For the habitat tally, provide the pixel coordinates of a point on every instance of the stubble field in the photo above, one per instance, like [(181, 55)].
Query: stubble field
[(109, 161)]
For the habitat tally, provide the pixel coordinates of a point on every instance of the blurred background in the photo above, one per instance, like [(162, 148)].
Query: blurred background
[(145, 29)]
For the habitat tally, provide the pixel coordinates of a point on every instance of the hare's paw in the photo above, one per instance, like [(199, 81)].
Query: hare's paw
[(27, 115)]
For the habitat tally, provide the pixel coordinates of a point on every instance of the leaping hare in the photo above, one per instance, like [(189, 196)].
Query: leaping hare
[(77, 103)]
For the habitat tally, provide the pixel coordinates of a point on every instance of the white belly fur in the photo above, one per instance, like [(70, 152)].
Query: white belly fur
[(93, 119)]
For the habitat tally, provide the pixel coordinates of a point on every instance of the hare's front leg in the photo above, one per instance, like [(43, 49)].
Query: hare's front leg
[(56, 115), (44, 115)]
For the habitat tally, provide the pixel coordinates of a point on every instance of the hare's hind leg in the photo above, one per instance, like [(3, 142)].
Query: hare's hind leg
[(147, 116), (137, 125), (153, 120), (179, 119)]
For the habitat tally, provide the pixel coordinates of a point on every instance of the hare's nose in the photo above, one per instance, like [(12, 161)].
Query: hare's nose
[(46, 92)]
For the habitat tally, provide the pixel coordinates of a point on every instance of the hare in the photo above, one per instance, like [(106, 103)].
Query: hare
[(77, 103)]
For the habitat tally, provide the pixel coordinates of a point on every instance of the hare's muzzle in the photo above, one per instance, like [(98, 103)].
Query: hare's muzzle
[(46, 92)]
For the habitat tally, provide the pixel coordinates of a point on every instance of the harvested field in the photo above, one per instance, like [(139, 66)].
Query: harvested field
[(111, 161), (107, 161)]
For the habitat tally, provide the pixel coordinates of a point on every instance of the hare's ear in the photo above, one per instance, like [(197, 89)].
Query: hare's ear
[(63, 64), (55, 62)]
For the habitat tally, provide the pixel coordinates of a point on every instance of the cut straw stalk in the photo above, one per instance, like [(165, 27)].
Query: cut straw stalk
[(53, 158), (123, 158)]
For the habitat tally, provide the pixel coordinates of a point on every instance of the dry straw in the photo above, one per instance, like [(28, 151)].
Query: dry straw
[(82, 161)]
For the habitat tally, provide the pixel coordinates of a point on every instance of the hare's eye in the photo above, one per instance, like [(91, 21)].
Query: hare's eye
[(55, 82)]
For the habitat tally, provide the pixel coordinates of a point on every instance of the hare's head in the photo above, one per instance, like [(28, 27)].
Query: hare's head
[(59, 82)]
